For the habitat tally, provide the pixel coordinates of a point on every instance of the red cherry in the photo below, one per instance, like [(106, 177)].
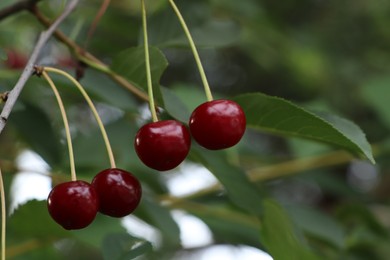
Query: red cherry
[(162, 145), (218, 124), (119, 192), (15, 60), (73, 204)]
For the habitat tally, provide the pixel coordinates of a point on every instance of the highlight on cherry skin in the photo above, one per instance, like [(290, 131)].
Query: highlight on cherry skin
[(73, 204), (218, 124), (162, 145), (119, 192)]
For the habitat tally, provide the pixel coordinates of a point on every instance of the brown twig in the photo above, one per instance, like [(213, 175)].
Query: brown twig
[(91, 31), (17, 7), (90, 59), (43, 38)]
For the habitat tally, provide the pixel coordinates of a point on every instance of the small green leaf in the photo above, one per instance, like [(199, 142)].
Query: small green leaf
[(278, 116), (279, 235), (130, 63), (123, 246)]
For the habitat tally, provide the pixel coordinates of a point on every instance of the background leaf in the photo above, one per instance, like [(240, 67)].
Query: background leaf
[(166, 32), (161, 218), (44, 227), (279, 236), (323, 55), (36, 129), (376, 92), (124, 246), (130, 63), (278, 116), (307, 220)]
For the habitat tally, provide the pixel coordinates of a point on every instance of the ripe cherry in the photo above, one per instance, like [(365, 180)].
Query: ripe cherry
[(119, 192), (73, 204), (218, 124), (162, 145)]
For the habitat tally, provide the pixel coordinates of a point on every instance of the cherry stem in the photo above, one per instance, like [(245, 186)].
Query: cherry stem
[(194, 51), (147, 63), (3, 216), (66, 124), (93, 109)]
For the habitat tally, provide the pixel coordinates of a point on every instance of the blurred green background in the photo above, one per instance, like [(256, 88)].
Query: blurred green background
[(331, 56)]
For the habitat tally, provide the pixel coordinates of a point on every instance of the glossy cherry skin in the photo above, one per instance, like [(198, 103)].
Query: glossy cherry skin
[(217, 124), (162, 145), (119, 192), (73, 204)]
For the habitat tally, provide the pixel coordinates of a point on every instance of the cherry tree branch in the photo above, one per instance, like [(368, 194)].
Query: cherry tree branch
[(17, 7), (28, 70), (89, 59)]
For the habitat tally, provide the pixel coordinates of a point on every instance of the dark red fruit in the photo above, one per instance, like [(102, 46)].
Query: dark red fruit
[(217, 124), (15, 60), (119, 192), (162, 145), (73, 204)]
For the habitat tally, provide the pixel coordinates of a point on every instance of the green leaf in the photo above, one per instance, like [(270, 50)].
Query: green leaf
[(35, 128), (238, 187), (357, 216), (217, 34), (376, 92), (124, 246), (100, 86), (32, 220), (130, 63), (44, 251), (278, 116), (165, 30), (94, 234), (175, 106), (279, 235), (308, 220)]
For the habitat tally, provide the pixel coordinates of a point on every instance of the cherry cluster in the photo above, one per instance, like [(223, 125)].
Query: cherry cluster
[(215, 125), (160, 145), (113, 192)]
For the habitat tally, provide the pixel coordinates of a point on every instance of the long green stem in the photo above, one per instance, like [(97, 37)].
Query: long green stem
[(194, 51), (93, 109), (66, 125), (3, 216), (147, 62)]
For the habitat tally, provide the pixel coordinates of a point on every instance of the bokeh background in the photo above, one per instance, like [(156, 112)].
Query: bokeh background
[(331, 56)]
